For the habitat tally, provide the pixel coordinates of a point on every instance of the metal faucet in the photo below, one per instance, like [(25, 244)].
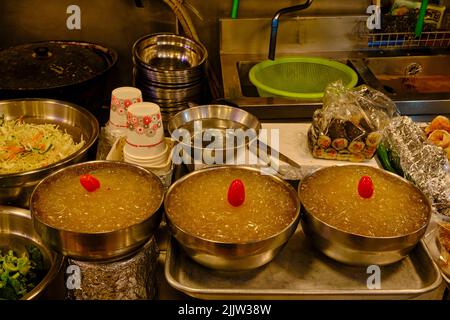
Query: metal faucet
[(276, 17)]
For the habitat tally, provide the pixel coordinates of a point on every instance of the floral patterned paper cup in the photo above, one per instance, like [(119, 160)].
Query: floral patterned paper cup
[(121, 99), (145, 133)]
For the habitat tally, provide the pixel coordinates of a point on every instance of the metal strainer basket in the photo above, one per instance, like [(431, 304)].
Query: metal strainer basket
[(299, 77)]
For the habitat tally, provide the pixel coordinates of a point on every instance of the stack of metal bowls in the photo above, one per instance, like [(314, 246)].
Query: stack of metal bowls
[(170, 71)]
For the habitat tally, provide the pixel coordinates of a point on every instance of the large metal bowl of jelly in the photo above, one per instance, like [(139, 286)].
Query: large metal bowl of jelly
[(219, 236), (124, 229), (346, 227)]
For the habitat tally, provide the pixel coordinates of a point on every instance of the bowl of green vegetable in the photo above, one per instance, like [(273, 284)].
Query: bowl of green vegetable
[(27, 266)]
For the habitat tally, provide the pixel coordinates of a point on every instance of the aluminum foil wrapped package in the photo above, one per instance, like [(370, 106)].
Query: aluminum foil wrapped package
[(349, 125), (133, 278), (426, 165)]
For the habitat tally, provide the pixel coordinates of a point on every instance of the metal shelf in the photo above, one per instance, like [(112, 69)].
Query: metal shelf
[(434, 39)]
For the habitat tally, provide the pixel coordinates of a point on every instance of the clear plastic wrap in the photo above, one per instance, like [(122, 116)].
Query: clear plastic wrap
[(348, 125), (438, 242), (443, 244)]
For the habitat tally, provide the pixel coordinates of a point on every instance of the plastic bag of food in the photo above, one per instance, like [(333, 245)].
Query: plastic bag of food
[(348, 125)]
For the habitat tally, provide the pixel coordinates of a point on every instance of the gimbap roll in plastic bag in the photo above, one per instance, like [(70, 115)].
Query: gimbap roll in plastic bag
[(348, 126)]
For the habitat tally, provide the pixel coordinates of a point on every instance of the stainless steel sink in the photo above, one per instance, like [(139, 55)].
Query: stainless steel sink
[(404, 65), (373, 69), (424, 77), (243, 69), (243, 43)]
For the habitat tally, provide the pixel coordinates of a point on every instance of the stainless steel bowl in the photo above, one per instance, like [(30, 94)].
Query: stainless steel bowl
[(103, 245), (167, 58), (231, 256), (16, 232), (16, 188), (356, 249)]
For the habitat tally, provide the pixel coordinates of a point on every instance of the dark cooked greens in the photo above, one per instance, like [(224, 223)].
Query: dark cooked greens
[(20, 274)]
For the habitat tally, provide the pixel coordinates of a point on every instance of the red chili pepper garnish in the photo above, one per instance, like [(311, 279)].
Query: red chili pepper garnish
[(365, 187), (236, 193), (89, 182)]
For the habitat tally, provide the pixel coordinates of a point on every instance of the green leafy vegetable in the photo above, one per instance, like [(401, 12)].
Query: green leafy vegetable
[(20, 274)]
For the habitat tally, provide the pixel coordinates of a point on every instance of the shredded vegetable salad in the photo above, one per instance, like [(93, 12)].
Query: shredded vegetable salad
[(28, 146)]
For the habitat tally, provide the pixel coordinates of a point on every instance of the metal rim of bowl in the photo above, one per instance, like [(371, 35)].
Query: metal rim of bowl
[(171, 127), (136, 52), (55, 265), (154, 85), (69, 158), (120, 163), (429, 214), (280, 181), (164, 76), (173, 93), (151, 85)]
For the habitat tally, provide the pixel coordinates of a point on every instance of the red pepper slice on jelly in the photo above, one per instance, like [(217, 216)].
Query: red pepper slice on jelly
[(236, 193), (89, 182), (365, 187)]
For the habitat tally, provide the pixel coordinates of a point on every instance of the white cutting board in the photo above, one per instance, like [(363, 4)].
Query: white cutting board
[(294, 144)]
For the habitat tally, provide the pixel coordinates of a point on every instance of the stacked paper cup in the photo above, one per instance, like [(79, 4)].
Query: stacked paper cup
[(121, 99), (145, 143)]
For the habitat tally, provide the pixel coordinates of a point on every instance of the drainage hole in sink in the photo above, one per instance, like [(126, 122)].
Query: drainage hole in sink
[(389, 89)]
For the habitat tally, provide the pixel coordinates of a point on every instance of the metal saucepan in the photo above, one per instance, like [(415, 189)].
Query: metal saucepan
[(222, 117), (213, 117)]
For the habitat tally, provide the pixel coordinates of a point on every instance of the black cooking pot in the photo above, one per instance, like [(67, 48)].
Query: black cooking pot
[(65, 70)]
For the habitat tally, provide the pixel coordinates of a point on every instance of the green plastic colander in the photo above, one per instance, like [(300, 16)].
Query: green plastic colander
[(299, 77)]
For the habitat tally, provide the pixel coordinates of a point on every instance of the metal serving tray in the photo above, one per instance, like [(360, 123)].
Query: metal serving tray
[(301, 272)]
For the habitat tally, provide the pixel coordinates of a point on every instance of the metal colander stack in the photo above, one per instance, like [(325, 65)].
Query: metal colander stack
[(170, 71)]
